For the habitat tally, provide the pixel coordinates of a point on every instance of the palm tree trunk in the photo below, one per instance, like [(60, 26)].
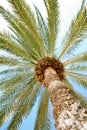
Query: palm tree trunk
[(69, 114)]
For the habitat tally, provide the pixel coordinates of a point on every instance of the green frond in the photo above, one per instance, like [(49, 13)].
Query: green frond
[(7, 101), (24, 37), (9, 46), (74, 67), (13, 91), (42, 120), (10, 99), (23, 11), (43, 30), (78, 95), (80, 79), (17, 70), (53, 21), (9, 61), (76, 33), (82, 57), (18, 78), (23, 106), (4, 113)]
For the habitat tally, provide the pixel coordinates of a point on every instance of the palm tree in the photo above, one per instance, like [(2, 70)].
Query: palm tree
[(36, 71)]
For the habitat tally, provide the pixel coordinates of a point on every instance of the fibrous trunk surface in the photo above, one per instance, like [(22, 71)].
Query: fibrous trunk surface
[(68, 112)]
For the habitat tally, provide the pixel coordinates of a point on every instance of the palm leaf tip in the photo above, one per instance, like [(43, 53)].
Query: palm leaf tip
[(76, 33), (79, 58), (80, 79), (52, 7)]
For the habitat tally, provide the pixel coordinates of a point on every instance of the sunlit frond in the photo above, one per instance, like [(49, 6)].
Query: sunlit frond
[(7, 101), (24, 105), (80, 79), (52, 7), (10, 46), (78, 95), (9, 61), (18, 78), (42, 120), (8, 105), (80, 68), (24, 37), (43, 31), (82, 57), (22, 9), (76, 33)]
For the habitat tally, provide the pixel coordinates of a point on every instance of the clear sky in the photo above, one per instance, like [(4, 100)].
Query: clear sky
[(68, 10)]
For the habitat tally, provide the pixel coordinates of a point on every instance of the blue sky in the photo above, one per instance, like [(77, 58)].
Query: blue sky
[(68, 10)]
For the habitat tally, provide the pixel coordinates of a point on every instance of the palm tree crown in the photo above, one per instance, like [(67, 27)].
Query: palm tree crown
[(32, 42)]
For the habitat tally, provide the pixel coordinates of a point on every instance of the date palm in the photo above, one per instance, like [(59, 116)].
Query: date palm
[(36, 71)]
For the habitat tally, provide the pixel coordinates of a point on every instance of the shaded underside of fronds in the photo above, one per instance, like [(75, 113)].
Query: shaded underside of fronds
[(82, 57), (80, 79), (23, 108), (43, 118)]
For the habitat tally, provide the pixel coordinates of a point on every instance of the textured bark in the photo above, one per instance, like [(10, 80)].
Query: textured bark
[(69, 114)]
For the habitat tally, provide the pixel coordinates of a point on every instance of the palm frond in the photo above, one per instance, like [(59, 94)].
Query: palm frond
[(17, 70), (80, 97), (23, 106), (42, 120), (10, 46), (10, 105), (43, 30), (77, 67), (12, 93), (23, 11), (82, 57), (53, 21), (76, 33), (18, 78), (80, 79), (24, 37), (7, 101), (9, 61)]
